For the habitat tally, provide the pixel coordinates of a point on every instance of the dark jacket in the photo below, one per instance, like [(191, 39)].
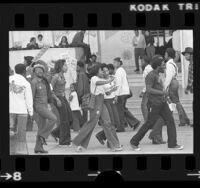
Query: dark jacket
[(83, 86), (78, 39)]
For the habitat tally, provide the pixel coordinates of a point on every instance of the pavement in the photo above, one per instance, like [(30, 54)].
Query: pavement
[(184, 137)]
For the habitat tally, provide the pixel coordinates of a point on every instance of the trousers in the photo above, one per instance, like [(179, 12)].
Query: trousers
[(99, 112), (157, 110), (18, 144)]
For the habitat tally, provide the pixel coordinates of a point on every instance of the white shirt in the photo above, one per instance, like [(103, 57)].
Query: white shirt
[(40, 44), (139, 41), (74, 104), (121, 82), (170, 72), (20, 95), (108, 87), (146, 71), (99, 89)]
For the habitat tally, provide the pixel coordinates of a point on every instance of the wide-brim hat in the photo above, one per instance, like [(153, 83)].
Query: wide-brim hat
[(188, 50), (39, 66)]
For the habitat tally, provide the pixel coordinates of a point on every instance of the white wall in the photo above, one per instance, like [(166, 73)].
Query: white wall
[(181, 40)]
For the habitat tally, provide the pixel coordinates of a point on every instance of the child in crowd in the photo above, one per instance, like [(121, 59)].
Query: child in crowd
[(75, 107)]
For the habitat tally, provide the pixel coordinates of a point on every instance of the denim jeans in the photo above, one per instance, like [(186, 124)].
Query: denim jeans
[(144, 107), (157, 111), (99, 112), (63, 130), (157, 128), (18, 144), (174, 96), (113, 112)]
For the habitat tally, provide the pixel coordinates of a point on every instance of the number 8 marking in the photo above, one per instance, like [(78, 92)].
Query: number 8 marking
[(17, 176)]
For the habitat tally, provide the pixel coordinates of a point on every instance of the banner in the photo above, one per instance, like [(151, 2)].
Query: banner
[(71, 74)]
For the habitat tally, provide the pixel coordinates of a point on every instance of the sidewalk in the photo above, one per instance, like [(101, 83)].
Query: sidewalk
[(184, 137)]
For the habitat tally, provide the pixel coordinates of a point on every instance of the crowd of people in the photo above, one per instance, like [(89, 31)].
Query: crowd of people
[(38, 93), (77, 41)]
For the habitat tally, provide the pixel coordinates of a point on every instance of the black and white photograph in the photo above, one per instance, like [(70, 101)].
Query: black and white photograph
[(101, 92)]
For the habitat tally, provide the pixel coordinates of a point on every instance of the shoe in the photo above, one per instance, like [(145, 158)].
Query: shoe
[(55, 137), (79, 149), (136, 70), (178, 147), (43, 140), (135, 148), (136, 125), (117, 149), (65, 145), (40, 151), (100, 139)]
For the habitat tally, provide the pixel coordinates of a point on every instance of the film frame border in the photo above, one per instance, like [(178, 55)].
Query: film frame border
[(47, 18)]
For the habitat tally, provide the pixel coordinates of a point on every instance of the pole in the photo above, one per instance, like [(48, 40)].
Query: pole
[(99, 44), (182, 59), (158, 38)]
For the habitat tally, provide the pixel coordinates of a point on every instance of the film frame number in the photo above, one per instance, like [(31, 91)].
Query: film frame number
[(16, 176)]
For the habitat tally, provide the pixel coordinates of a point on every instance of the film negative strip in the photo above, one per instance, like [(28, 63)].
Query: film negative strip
[(54, 50)]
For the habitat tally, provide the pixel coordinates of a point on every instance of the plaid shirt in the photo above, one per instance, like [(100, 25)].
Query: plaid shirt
[(190, 78)]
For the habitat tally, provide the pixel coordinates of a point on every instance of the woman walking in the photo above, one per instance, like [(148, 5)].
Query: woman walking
[(99, 111), (109, 101), (58, 84)]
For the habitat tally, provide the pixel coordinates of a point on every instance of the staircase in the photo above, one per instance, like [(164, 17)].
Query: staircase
[(136, 84)]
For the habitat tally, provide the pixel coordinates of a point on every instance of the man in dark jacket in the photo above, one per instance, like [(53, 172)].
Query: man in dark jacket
[(78, 42), (83, 86)]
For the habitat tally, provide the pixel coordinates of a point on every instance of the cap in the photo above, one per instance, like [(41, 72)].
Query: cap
[(188, 50), (39, 66)]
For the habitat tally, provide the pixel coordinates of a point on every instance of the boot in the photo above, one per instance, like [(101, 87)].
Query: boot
[(39, 146)]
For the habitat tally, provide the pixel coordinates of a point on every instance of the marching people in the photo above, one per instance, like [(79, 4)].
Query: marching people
[(156, 133), (64, 42), (42, 97), (172, 84), (82, 87), (99, 111), (109, 101), (20, 105), (58, 83), (75, 107), (139, 44), (157, 98), (122, 93)]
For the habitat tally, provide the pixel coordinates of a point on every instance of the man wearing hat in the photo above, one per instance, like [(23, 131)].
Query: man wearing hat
[(188, 53), (172, 85), (41, 99), (157, 98)]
